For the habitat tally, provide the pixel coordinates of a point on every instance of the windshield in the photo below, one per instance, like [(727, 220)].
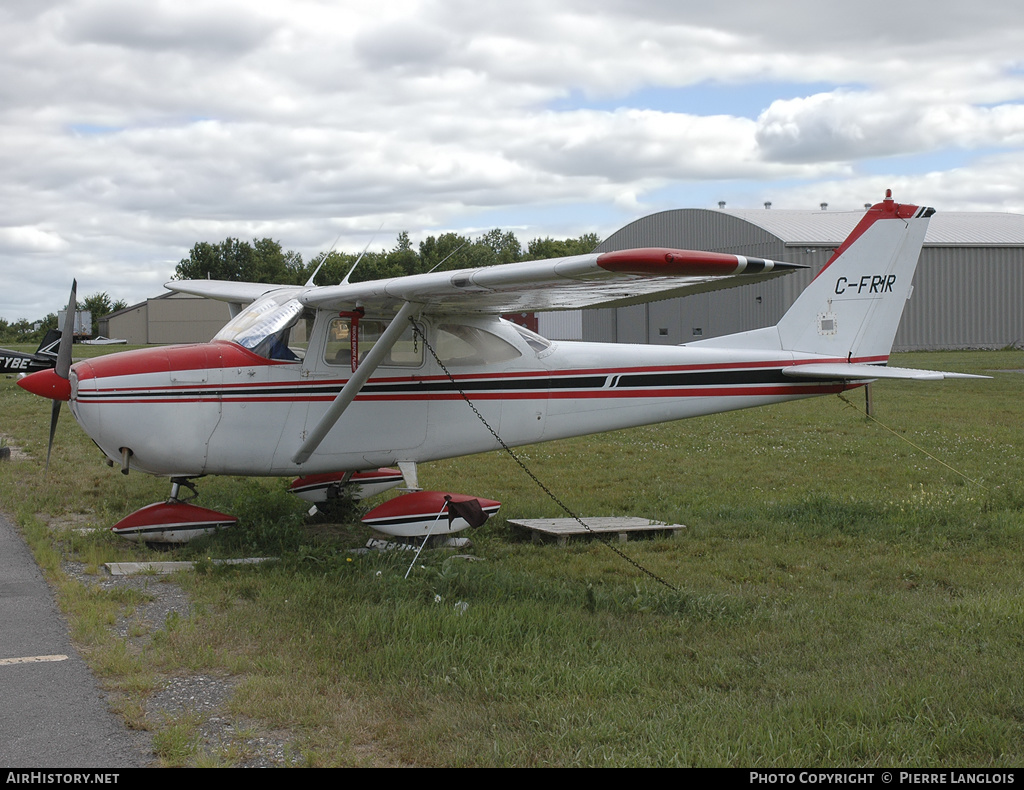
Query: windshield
[(535, 341), (264, 327)]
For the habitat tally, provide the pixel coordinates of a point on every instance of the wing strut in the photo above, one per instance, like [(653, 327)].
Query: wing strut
[(352, 387)]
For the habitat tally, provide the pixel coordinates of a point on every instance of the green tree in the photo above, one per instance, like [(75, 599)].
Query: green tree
[(539, 249), (20, 331), (334, 266), (504, 245), (273, 265), (263, 261), (403, 257), (447, 251), (98, 304)]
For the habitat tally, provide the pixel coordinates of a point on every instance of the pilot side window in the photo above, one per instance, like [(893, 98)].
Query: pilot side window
[(345, 336)]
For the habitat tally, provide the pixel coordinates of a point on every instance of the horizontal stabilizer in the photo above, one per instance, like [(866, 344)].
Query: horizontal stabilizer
[(849, 372)]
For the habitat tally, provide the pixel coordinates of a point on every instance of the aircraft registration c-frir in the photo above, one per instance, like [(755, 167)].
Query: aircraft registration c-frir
[(310, 381)]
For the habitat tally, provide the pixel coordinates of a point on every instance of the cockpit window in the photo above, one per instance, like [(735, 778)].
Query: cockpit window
[(461, 344), (265, 328), (344, 336)]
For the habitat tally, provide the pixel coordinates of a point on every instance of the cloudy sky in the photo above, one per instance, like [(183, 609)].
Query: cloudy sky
[(130, 130)]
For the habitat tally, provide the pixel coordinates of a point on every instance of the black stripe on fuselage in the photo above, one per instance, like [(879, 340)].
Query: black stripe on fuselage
[(716, 378), (511, 385)]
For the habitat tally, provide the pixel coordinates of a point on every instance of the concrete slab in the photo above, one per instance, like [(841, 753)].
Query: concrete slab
[(133, 568), (564, 528)]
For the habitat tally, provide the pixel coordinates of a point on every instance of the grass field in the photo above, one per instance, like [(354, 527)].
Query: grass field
[(845, 594)]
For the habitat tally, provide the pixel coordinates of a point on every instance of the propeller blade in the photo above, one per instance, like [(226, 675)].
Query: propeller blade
[(67, 338), (63, 366), (54, 416)]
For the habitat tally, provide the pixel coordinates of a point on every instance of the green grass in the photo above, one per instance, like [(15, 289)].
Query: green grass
[(845, 595)]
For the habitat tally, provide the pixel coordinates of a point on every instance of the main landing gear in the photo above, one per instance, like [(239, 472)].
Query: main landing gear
[(172, 521)]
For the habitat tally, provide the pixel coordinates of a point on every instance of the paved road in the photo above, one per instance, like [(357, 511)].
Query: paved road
[(53, 713)]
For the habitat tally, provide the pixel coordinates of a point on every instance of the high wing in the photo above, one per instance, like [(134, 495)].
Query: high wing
[(223, 290), (609, 279)]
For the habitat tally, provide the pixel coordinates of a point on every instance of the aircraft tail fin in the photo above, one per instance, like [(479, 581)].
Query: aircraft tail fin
[(853, 307), (51, 340)]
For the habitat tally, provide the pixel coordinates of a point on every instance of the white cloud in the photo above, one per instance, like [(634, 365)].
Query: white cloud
[(217, 30), (30, 239), (132, 131), (848, 125)]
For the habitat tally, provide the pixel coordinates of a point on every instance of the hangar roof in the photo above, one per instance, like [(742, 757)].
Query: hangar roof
[(946, 229)]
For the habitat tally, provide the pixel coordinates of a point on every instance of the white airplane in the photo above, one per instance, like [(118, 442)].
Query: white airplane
[(329, 382)]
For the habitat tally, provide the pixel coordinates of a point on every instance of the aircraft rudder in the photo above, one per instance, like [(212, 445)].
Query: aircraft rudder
[(887, 209), (852, 308), (49, 343)]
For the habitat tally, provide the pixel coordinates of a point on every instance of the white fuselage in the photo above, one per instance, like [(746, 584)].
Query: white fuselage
[(218, 408)]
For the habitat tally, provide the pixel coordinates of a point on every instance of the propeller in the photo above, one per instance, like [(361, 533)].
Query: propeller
[(63, 366)]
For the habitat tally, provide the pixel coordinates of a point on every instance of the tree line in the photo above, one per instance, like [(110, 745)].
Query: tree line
[(25, 331), (265, 261)]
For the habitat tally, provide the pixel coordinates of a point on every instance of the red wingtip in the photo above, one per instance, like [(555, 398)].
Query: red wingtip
[(47, 384), (660, 261)]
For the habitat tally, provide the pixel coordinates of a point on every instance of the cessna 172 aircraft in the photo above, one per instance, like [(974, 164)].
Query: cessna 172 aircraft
[(337, 380)]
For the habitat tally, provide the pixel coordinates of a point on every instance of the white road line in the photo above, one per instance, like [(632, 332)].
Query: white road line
[(30, 660)]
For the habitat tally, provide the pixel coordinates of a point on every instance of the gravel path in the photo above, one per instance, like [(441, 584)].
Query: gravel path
[(200, 696)]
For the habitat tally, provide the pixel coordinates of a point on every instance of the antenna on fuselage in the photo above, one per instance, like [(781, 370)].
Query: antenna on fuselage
[(344, 280), (327, 255), (450, 254)]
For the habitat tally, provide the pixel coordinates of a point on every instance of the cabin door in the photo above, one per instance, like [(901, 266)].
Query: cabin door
[(388, 419)]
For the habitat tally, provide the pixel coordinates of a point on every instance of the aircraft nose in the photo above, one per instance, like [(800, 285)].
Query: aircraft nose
[(47, 384)]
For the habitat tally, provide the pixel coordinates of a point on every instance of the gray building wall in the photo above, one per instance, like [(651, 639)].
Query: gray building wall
[(128, 324), (965, 297), (561, 324), (180, 318), (175, 318)]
